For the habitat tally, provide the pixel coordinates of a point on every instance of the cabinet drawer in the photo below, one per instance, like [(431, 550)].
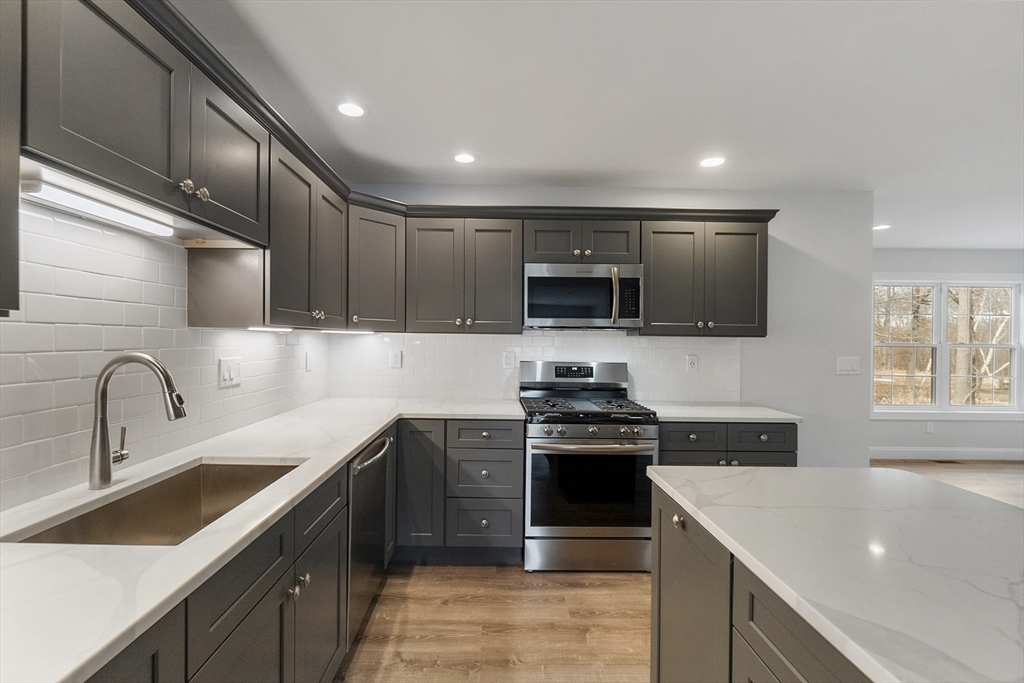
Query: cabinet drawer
[(219, 605), (693, 458), (495, 523), (479, 473), (790, 648), (315, 511), (692, 436), (689, 527), (747, 667), (762, 437), (728, 459), (486, 434)]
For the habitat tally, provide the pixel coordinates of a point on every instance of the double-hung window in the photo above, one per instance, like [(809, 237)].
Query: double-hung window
[(947, 346)]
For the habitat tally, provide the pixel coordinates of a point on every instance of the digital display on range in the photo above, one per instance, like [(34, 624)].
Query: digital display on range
[(574, 371)]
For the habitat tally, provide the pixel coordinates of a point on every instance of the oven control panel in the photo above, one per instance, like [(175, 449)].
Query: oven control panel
[(574, 372)]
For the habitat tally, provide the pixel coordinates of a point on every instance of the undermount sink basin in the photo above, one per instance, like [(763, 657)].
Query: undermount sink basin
[(169, 511)]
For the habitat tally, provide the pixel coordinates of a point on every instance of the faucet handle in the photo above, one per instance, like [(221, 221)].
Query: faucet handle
[(120, 455)]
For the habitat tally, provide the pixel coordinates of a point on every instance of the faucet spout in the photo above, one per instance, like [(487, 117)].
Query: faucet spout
[(100, 464)]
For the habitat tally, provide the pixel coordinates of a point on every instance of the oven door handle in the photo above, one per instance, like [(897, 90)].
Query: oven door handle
[(615, 295), (597, 449)]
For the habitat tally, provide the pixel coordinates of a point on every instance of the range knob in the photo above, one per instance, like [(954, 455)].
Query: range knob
[(637, 431), (561, 430), (548, 430), (623, 431), (592, 431)]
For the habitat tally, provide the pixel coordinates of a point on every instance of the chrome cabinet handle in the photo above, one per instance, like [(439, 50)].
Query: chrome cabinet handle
[(575, 252), (693, 437), (469, 321), (458, 321), (187, 186), (484, 473), (722, 463), (764, 438), (588, 253), (710, 324), (484, 523), (700, 323), (306, 580), (203, 194), (735, 463), (120, 455), (355, 318), (485, 435), (677, 521)]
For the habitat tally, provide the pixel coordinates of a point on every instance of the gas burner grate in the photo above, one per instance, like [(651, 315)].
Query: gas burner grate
[(619, 405), (546, 404)]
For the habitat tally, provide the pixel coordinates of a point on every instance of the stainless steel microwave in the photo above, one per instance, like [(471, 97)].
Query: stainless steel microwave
[(599, 296)]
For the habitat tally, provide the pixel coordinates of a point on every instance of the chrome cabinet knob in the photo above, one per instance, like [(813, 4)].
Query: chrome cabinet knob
[(592, 431), (355, 318), (677, 521), (187, 186), (623, 431), (700, 323), (575, 252), (294, 593), (484, 473), (588, 253), (484, 523), (638, 431), (469, 321), (722, 463), (485, 435), (203, 194), (306, 580), (735, 463), (764, 438), (561, 430), (710, 324), (120, 455), (458, 321), (548, 430), (693, 437)]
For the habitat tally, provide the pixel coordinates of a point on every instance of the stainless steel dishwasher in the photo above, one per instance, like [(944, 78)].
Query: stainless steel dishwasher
[(367, 501)]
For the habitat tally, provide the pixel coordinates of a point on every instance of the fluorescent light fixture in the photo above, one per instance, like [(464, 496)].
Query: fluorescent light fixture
[(712, 161), (465, 158), (881, 227), (351, 109), (346, 331), (270, 329), (51, 195)]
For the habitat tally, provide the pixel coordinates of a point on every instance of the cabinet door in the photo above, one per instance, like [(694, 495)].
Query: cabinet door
[(330, 258), (690, 594), (262, 648), (230, 158), (292, 222), (376, 273), (435, 272), (321, 611), (611, 241), (552, 241), (10, 148), (157, 656), (421, 482), (390, 500), (747, 667), (673, 289), (107, 94), (736, 279), (494, 276)]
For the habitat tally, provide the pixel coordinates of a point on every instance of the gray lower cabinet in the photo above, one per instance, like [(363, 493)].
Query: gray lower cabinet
[(420, 482), (484, 522), (727, 458), (690, 598), (10, 149), (581, 241), (728, 444), (705, 278), (376, 264), (747, 667), (157, 656), (485, 473), (464, 275)]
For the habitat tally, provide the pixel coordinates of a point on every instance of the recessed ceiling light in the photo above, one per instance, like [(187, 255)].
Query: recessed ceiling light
[(351, 109), (465, 158), (713, 161), (881, 227)]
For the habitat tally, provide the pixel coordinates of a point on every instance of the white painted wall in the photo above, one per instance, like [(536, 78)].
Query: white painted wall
[(819, 275), (957, 439)]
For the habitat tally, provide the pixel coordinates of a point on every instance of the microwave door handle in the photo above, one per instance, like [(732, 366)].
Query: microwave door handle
[(615, 295), (597, 449)]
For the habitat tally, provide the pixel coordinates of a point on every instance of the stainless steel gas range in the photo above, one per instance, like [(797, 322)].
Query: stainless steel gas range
[(588, 499)]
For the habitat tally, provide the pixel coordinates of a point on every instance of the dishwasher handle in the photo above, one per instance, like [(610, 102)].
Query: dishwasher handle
[(387, 444)]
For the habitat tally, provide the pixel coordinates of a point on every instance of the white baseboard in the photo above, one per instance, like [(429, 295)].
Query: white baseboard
[(944, 453)]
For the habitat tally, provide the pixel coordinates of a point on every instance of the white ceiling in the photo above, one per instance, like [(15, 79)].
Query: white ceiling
[(920, 102)]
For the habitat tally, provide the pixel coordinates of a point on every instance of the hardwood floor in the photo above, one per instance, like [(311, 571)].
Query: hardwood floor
[(443, 624), (999, 479)]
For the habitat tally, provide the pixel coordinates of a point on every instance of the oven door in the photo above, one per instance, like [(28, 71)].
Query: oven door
[(582, 295), (582, 489)]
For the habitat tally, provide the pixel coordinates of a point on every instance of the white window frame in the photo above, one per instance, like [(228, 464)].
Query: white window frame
[(942, 409)]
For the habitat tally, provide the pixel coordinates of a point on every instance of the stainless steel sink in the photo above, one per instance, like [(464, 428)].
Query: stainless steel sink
[(169, 511)]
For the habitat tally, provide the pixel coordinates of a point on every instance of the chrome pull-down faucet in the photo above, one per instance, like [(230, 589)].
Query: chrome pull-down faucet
[(100, 456)]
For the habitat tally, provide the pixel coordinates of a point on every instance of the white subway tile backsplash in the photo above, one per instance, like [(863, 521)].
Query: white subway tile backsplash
[(141, 315), (75, 283), (21, 338), (51, 366), (37, 278), (103, 312), (76, 337), (46, 308)]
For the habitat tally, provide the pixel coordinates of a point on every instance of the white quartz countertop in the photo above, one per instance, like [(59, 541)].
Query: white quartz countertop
[(718, 412), (65, 610), (911, 579)]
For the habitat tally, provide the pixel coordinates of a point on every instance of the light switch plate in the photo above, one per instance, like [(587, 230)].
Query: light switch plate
[(229, 372), (396, 359), (847, 365)]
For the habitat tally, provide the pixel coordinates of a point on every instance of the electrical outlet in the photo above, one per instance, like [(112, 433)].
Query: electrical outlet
[(229, 372), (396, 359), (849, 365), (692, 363), (508, 360), (929, 427)]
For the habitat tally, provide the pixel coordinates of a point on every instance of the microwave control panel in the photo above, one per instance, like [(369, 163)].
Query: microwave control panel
[(629, 298)]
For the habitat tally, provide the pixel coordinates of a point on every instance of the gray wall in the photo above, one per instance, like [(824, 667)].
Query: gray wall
[(819, 275), (952, 439)]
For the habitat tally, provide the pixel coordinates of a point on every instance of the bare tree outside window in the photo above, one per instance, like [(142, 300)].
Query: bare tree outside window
[(904, 367), (980, 325)]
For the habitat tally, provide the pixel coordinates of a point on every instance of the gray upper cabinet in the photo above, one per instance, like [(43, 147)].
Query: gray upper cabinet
[(376, 283), (736, 279), (705, 278), (230, 162), (552, 241), (611, 241), (579, 241), (464, 275), (10, 146), (293, 223), (108, 95), (330, 258)]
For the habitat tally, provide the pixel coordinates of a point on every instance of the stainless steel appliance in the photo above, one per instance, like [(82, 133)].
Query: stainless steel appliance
[(367, 496), (588, 499), (582, 295)]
